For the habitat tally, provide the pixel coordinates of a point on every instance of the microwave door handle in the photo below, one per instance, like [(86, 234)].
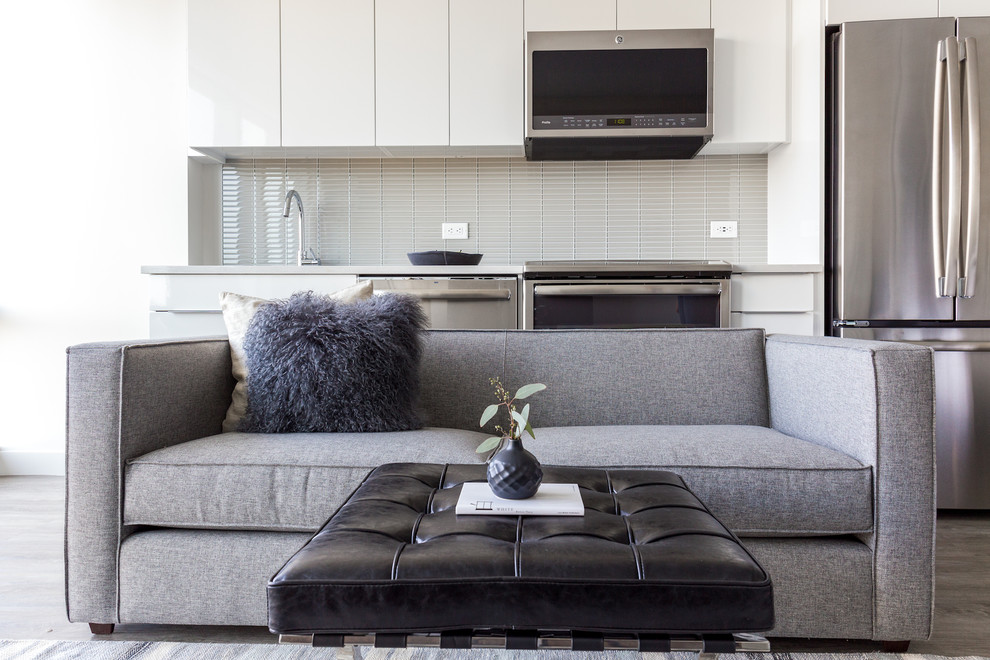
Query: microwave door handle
[(954, 111), (971, 98), (938, 165)]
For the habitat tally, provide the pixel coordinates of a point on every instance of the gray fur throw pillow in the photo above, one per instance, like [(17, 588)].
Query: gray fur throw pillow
[(319, 365)]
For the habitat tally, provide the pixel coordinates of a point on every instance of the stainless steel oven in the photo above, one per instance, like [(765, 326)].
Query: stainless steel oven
[(626, 294)]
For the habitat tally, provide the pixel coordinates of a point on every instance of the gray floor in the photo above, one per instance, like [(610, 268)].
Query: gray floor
[(32, 605)]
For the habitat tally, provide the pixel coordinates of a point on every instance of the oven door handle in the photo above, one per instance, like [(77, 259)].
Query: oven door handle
[(626, 289)]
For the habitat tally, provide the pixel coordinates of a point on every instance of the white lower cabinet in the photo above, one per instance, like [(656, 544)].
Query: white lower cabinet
[(788, 323), (170, 325), (773, 292), (188, 305), (778, 302)]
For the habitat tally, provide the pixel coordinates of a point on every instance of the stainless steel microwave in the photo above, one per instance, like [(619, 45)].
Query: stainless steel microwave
[(618, 94)]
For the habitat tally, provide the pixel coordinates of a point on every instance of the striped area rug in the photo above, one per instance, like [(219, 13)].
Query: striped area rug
[(110, 650)]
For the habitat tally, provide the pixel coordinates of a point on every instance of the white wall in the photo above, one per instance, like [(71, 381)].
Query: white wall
[(93, 178)]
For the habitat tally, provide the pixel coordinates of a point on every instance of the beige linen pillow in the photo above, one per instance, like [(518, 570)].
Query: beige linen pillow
[(238, 310)]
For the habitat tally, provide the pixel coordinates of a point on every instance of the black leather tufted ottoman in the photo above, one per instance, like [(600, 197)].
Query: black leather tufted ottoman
[(646, 558)]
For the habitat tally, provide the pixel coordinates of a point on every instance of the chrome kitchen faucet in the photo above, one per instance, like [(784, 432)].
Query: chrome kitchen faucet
[(304, 257)]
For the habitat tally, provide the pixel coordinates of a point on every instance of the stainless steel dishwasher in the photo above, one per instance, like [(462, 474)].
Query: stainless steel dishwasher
[(482, 303)]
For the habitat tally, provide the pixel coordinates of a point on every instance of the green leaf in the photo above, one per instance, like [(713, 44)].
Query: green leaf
[(527, 390), (520, 420), (488, 414), (525, 413), (529, 429), (488, 445)]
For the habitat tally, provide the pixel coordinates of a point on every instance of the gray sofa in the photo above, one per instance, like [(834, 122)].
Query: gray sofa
[(818, 452)]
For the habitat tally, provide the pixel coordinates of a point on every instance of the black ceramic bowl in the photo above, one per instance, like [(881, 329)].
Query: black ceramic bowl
[(443, 258)]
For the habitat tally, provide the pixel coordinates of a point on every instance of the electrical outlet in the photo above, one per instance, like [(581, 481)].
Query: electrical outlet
[(453, 230), (725, 229)]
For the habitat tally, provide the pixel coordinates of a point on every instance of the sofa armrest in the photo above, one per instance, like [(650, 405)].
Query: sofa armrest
[(124, 399), (874, 401)]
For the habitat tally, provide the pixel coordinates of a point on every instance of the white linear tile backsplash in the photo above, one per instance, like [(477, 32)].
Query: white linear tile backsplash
[(374, 211)]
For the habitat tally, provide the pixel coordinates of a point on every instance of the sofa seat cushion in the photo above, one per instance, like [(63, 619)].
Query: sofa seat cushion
[(757, 481), (273, 482)]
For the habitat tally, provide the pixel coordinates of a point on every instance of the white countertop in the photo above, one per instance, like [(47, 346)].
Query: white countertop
[(777, 268), (407, 270), (393, 269)]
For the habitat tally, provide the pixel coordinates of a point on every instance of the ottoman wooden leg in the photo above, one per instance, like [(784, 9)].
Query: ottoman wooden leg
[(896, 647), (101, 628)]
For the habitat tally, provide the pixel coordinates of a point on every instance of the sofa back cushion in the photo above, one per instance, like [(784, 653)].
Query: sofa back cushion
[(596, 377)]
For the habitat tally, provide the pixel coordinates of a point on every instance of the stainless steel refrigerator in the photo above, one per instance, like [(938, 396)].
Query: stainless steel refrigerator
[(907, 192)]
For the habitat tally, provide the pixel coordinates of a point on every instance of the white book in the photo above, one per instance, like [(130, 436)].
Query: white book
[(477, 499)]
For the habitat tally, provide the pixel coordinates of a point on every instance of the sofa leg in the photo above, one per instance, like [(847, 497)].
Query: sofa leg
[(101, 628), (896, 647)]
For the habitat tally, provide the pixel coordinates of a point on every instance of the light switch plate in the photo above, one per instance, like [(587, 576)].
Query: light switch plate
[(725, 229), (454, 230)]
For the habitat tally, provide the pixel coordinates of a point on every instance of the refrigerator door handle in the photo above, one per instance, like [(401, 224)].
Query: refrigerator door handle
[(971, 98), (954, 203), (938, 164)]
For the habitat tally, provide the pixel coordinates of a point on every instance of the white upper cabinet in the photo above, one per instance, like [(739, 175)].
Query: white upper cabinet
[(553, 15), (328, 72), (663, 14), (486, 65), (447, 73), (751, 85), (234, 73), (412, 88), (840, 11), (544, 15), (964, 8)]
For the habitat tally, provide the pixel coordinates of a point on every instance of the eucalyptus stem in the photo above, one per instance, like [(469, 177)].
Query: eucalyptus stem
[(518, 422)]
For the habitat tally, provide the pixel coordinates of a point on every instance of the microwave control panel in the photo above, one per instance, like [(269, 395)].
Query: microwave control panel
[(550, 122)]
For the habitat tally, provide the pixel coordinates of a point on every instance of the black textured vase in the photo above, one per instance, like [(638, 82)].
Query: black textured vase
[(514, 473)]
